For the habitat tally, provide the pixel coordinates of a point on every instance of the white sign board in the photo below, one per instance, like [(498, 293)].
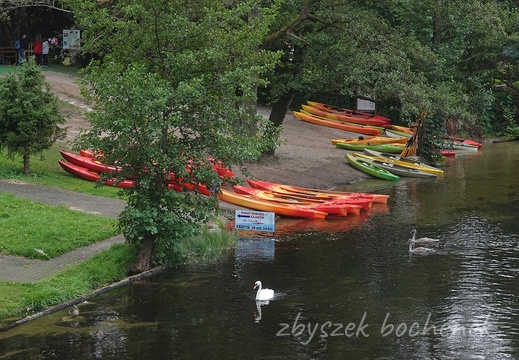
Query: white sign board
[(365, 105), (71, 39), (254, 220)]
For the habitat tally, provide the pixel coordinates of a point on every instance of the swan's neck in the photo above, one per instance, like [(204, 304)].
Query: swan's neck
[(411, 245), (414, 236), (258, 292)]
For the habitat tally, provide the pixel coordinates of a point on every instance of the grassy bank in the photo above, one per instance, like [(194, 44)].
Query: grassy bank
[(18, 300)]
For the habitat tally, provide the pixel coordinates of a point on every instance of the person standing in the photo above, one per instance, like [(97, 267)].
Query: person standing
[(37, 49), (22, 45), (45, 53)]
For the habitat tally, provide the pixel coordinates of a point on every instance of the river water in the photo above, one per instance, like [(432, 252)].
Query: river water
[(344, 289)]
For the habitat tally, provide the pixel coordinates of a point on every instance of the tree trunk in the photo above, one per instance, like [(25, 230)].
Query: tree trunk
[(143, 262), (278, 114), (26, 164)]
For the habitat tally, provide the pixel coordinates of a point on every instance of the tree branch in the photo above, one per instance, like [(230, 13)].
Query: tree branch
[(303, 15)]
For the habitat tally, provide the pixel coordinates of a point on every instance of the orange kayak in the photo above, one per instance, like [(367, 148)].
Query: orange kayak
[(338, 124), (344, 117), (265, 205), (315, 193), (339, 110), (339, 207), (372, 140)]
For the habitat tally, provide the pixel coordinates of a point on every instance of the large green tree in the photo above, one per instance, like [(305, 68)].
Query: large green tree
[(29, 115), (168, 94)]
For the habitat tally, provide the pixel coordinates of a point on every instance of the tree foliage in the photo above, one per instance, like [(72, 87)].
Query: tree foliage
[(29, 116), (167, 94), (440, 56)]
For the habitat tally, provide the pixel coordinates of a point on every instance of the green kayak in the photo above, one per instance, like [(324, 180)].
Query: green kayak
[(386, 148), (370, 169)]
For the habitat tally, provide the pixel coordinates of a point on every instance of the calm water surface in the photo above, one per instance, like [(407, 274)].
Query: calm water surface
[(345, 289)]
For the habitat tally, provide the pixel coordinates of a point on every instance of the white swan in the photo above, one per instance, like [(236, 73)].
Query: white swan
[(422, 239), (418, 250), (263, 294)]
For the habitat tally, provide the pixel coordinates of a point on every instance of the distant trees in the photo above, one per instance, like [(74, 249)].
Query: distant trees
[(455, 60), (29, 116)]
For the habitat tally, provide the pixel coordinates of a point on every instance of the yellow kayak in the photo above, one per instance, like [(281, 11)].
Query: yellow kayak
[(372, 140), (420, 166)]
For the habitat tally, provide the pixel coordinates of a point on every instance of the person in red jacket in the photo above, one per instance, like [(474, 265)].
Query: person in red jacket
[(37, 48)]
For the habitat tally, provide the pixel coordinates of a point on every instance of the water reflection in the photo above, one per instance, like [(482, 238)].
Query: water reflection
[(344, 288)]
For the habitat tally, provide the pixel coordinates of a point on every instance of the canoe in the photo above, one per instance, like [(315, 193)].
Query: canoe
[(337, 124), (314, 193), (401, 170), (88, 162), (344, 117), (372, 140), (86, 174), (335, 109), (401, 162), (265, 205), (370, 169), (388, 148), (352, 204)]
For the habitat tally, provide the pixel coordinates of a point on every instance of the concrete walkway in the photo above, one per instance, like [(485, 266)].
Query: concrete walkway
[(18, 269)]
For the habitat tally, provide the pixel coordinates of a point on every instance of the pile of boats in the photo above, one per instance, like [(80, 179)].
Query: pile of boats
[(286, 200), (391, 167), (378, 151), (373, 125)]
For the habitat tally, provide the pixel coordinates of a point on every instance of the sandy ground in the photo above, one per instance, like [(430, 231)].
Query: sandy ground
[(306, 156)]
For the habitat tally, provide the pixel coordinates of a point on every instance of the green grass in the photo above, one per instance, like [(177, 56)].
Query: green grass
[(46, 171), (208, 246), (100, 270), (30, 228)]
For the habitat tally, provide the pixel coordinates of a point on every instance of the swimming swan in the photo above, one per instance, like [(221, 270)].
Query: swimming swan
[(418, 250), (423, 239), (263, 294)]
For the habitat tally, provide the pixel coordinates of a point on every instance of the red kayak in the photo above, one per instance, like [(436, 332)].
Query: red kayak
[(357, 113), (218, 166), (88, 162), (86, 174), (345, 117)]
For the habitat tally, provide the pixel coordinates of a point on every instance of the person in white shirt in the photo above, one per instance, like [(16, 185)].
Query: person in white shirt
[(45, 53)]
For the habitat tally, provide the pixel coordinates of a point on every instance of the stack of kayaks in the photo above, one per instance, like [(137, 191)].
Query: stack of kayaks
[(305, 203), (87, 166), (370, 168), (337, 124), (401, 166), (347, 113)]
